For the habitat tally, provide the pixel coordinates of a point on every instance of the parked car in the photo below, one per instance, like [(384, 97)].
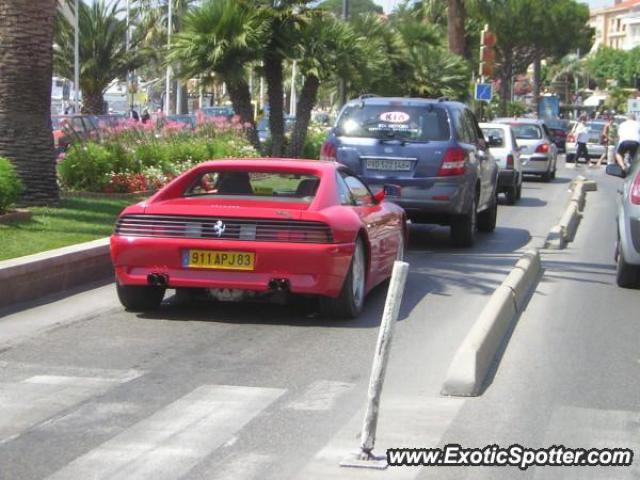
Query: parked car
[(263, 127), (538, 153), (240, 228), (503, 146), (559, 130), (218, 111), (594, 145), (188, 120), (433, 150), (69, 128), (627, 252)]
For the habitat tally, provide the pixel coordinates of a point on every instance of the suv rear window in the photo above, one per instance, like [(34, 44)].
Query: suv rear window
[(420, 124)]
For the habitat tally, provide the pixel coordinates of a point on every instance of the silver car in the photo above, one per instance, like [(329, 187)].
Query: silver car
[(538, 154), (504, 148), (628, 222)]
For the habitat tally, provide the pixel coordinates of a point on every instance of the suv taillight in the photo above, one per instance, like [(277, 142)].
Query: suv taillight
[(329, 152), (453, 162), (510, 161), (634, 195), (543, 148)]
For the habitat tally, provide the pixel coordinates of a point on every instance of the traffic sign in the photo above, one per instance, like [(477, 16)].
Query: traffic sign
[(484, 92)]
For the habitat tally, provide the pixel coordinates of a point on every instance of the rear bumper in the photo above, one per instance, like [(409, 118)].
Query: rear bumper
[(440, 196), (595, 150), (318, 269), (536, 164)]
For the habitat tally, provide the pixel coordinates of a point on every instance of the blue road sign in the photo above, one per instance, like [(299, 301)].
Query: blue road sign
[(484, 92)]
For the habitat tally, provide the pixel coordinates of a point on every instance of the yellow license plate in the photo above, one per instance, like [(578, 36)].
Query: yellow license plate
[(220, 260)]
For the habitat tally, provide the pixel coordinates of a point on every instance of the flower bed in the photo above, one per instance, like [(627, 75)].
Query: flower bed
[(133, 157)]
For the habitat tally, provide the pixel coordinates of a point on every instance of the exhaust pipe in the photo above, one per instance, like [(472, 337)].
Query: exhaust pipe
[(158, 280), (279, 284)]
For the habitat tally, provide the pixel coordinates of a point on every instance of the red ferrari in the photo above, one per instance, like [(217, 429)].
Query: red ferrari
[(240, 228)]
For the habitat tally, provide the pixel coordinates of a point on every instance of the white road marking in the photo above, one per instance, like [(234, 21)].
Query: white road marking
[(36, 399), (404, 422), (588, 428), (320, 396), (243, 467), (172, 441)]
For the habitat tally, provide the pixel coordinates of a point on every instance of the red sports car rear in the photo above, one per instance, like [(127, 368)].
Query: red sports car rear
[(257, 227)]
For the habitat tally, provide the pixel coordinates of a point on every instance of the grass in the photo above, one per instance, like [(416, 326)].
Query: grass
[(75, 220)]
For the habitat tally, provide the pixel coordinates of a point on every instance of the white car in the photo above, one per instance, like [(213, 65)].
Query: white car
[(538, 152), (504, 148)]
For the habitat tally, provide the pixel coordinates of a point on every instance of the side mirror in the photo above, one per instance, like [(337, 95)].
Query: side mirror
[(379, 196), (614, 170)]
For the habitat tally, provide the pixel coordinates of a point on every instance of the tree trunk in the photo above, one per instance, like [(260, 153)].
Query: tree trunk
[(92, 103), (505, 80), (26, 57), (273, 74), (537, 79), (241, 100), (307, 101), (455, 27)]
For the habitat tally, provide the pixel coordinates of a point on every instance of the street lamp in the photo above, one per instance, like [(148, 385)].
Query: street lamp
[(167, 95), (342, 86), (76, 59)]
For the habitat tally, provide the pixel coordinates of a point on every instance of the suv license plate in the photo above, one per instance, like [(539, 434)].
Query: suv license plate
[(381, 164)]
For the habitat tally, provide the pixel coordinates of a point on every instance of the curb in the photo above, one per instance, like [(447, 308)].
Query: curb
[(28, 278), (474, 358), (564, 232)]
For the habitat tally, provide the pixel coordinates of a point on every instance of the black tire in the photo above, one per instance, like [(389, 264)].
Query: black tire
[(627, 276), (487, 219), (463, 228), (546, 177), (139, 298), (511, 195), (349, 303), (519, 190), (570, 158), (553, 173)]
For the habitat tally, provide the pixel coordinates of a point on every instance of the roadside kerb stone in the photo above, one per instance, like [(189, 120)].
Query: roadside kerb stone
[(31, 277), (475, 356)]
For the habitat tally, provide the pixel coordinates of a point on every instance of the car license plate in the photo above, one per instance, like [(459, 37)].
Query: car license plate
[(382, 164), (219, 260)]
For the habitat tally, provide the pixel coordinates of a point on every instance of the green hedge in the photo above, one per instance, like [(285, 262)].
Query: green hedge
[(10, 185)]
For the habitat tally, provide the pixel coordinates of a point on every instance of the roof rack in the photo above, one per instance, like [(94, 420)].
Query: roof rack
[(443, 99), (367, 95)]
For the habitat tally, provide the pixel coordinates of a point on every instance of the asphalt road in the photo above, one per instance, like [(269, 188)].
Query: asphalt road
[(240, 391)]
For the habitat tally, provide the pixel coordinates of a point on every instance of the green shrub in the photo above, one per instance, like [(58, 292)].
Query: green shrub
[(10, 185), (85, 167), (316, 136)]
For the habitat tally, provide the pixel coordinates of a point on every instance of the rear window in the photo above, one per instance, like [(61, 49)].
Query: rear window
[(496, 133), (237, 183), (526, 132), (395, 121), (595, 128)]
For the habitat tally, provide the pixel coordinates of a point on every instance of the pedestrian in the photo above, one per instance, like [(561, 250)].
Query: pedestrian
[(134, 115), (628, 140), (145, 116), (581, 132), (607, 138)]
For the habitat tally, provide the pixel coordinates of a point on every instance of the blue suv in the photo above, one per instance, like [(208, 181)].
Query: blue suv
[(432, 150)]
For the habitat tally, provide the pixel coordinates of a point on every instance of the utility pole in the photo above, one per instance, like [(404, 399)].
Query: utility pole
[(128, 46), (167, 95), (342, 87), (293, 98), (76, 55)]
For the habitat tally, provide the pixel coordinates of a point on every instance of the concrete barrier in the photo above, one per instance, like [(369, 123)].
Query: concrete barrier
[(28, 278), (569, 221), (565, 230), (474, 358)]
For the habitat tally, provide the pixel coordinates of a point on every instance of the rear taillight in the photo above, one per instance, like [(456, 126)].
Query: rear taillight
[(543, 148), (509, 161), (328, 152), (571, 138), (453, 163), (634, 195)]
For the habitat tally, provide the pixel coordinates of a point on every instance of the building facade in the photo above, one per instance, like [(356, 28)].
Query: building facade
[(617, 26)]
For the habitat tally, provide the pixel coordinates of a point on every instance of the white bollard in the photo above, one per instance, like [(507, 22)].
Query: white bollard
[(365, 458)]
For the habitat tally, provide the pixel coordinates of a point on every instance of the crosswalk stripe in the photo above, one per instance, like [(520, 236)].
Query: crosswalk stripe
[(36, 399), (404, 422), (578, 427), (242, 467), (173, 440), (320, 396)]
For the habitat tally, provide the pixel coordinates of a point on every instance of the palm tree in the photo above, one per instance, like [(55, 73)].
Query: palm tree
[(103, 50), (220, 38), (327, 45), (456, 16), (26, 34)]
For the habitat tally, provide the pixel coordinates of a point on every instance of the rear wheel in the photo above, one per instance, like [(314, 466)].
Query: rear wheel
[(546, 176), (139, 298), (512, 195), (463, 228), (487, 219), (627, 276), (351, 299), (519, 189)]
